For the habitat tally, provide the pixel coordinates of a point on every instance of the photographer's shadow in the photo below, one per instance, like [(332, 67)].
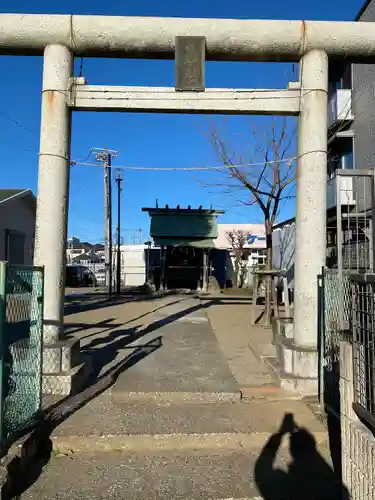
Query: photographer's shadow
[(308, 476)]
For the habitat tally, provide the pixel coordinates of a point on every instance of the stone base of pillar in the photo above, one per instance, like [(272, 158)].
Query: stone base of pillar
[(296, 367), (64, 372), (282, 327)]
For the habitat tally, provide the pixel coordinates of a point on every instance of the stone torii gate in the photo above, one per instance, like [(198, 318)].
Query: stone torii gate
[(61, 37)]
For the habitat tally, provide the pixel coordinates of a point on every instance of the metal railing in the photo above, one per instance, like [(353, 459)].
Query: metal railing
[(363, 338), (21, 344), (355, 232), (334, 312)]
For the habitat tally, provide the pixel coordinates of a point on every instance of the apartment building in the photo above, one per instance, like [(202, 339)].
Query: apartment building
[(351, 157)]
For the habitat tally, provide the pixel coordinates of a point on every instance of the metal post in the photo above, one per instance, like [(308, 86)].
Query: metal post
[(321, 335), (162, 267), (53, 186), (110, 242), (204, 280), (372, 234), (3, 277), (310, 249), (340, 248), (148, 263), (118, 264)]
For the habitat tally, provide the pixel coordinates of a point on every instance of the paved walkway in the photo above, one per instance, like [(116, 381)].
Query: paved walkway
[(241, 343), (187, 357), (108, 329), (163, 420)]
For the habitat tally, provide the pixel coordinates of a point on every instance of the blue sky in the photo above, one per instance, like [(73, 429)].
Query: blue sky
[(142, 140)]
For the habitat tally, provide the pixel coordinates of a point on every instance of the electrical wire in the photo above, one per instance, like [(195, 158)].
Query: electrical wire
[(174, 169), (86, 157), (18, 148), (18, 123)]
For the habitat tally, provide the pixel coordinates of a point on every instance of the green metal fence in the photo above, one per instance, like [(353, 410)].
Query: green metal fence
[(334, 296), (21, 344)]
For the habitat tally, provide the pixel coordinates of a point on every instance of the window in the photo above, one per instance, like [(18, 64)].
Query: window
[(347, 160), (346, 79), (333, 163), (14, 247), (261, 260)]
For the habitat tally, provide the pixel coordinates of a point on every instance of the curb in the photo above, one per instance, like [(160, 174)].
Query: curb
[(167, 442), (176, 397), (21, 454), (267, 392)]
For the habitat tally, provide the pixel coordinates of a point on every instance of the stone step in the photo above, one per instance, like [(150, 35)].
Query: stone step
[(292, 383), (185, 475), (165, 398), (102, 424)]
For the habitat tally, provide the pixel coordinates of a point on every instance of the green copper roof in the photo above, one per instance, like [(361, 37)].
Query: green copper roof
[(183, 226)]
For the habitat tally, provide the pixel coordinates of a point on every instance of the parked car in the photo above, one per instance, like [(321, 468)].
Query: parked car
[(79, 276)]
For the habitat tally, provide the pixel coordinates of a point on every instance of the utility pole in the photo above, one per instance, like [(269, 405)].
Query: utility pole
[(105, 157), (119, 179), (109, 209)]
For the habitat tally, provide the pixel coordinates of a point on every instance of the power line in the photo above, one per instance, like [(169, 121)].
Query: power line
[(18, 123), (176, 169), (18, 148)]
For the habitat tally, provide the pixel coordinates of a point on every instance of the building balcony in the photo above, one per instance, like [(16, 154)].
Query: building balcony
[(339, 107), (343, 192)]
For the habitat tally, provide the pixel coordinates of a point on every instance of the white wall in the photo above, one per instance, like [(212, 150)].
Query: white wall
[(283, 248), (17, 216), (133, 265)]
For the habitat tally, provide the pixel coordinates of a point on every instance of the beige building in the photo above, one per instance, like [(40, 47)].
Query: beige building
[(255, 240)]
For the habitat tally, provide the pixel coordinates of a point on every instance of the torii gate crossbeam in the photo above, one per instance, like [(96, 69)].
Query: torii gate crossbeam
[(153, 38)]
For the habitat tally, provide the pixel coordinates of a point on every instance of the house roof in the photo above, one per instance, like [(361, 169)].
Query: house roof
[(176, 226), (286, 222), (362, 10), (86, 257), (9, 195)]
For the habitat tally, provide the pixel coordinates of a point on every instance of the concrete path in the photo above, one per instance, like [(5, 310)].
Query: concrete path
[(230, 319), (164, 420), (175, 475), (187, 357)]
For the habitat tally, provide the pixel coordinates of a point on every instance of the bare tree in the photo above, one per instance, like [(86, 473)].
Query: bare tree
[(237, 240), (263, 176)]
